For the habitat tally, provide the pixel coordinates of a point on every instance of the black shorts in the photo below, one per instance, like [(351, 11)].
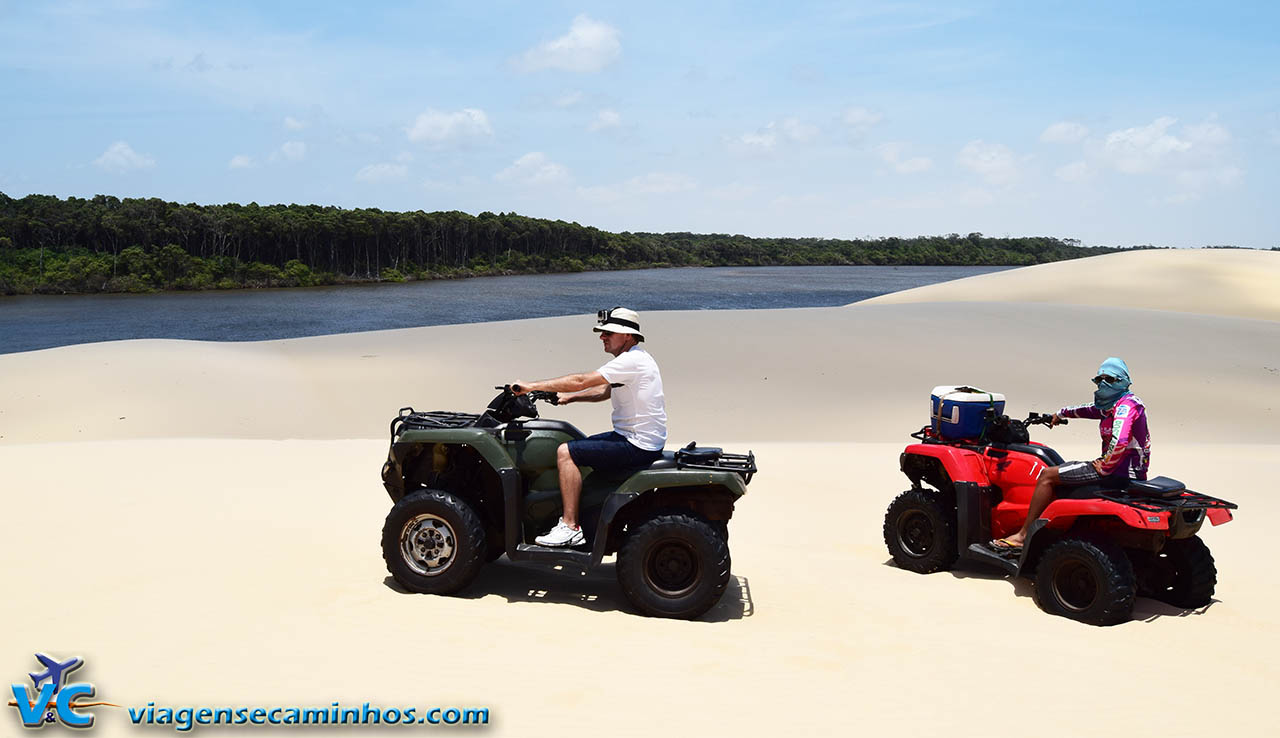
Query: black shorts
[(1079, 478)]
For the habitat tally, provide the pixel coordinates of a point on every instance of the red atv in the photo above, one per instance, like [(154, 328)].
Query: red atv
[(1090, 555)]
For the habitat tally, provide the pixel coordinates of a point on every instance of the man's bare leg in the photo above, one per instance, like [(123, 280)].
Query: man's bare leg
[(1040, 500), (570, 485)]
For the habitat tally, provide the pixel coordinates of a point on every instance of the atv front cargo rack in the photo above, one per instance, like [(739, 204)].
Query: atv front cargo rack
[(431, 420)]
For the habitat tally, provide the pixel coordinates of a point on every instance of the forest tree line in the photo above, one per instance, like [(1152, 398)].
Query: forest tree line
[(108, 244)]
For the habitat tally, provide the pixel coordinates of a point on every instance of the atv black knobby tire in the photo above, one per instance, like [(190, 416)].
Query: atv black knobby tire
[(433, 542), (1089, 581), (674, 566), (1194, 574), (920, 532)]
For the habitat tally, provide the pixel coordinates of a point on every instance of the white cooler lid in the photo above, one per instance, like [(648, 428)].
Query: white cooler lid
[(948, 392)]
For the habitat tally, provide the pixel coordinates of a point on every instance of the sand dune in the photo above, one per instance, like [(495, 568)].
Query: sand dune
[(1231, 282), (200, 521), (833, 374)]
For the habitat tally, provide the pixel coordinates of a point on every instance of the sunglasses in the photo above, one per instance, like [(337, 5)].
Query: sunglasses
[(1105, 378), (602, 316)]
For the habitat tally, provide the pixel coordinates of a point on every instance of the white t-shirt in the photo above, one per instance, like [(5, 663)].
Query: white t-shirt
[(639, 410)]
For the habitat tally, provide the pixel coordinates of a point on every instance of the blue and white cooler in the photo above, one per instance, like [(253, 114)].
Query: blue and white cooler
[(961, 411)]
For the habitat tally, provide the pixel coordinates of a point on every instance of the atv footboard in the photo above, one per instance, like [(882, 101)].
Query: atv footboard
[(973, 527)]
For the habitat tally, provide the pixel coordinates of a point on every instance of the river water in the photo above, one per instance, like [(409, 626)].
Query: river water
[(32, 322)]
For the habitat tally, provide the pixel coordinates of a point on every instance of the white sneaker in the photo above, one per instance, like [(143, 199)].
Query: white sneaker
[(561, 535)]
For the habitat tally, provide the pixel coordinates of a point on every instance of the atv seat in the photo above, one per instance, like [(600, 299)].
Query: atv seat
[(1158, 487), (668, 461)]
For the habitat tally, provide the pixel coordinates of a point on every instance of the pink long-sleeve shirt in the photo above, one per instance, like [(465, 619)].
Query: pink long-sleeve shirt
[(1126, 442)]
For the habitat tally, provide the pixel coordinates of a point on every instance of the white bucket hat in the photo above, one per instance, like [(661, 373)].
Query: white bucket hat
[(619, 320)]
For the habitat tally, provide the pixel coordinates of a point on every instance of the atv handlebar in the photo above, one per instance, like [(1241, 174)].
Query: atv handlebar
[(1044, 419), (552, 398)]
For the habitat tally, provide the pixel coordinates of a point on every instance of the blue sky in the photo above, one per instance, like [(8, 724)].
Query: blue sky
[(1114, 123)]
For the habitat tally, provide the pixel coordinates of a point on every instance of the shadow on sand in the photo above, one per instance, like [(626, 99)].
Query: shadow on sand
[(595, 590), (1145, 609)]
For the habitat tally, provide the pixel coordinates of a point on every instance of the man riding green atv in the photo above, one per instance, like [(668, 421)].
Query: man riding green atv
[(469, 487)]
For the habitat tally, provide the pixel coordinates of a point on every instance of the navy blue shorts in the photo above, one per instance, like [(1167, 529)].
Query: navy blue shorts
[(610, 451)]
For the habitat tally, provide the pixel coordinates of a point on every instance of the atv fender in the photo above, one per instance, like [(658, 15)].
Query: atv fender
[(481, 439), (705, 490), (1062, 514), (961, 465), (661, 478)]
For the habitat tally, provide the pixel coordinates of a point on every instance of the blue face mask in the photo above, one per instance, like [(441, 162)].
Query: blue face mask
[(1108, 393)]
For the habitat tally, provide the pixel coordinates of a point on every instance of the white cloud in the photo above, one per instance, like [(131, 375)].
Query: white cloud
[(589, 46), (1076, 171), (435, 126), (1209, 133), (404, 157), (995, 163), (1195, 158), (293, 150), (605, 119), (798, 130), (893, 154), (120, 157), (240, 161), (293, 124), (790, 129), (860, 120), (654, 183), (534, 169), (762, 140), (568, 99), (1142, 148), (382, 173), (1065, 132)]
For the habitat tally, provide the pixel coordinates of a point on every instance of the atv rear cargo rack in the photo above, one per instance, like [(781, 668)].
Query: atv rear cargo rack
[(431, 420), (1188, 499), (713, 459)]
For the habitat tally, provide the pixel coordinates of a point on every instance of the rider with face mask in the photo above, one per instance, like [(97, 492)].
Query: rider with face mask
[(1126, 445)]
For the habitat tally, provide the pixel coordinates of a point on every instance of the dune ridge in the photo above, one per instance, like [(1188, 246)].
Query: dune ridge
[(1238, 283)]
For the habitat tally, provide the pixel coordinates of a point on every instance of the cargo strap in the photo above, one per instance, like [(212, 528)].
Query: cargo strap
[(991, 403)]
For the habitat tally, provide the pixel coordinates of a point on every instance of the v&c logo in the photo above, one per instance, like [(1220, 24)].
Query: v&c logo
[(53, 700)]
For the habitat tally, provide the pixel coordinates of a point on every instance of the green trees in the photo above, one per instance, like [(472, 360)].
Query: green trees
[(105, 243)]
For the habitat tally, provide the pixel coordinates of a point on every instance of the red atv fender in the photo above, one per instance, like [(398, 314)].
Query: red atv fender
[(960, 464)]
